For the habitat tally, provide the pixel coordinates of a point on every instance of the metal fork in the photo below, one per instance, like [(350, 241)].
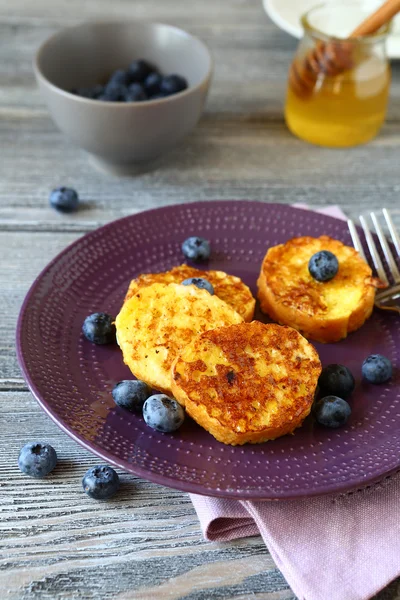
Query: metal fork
[(389, 297)]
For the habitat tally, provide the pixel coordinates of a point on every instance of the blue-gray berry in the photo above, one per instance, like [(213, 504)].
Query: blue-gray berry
[(201, 283), (100, 482), (323, 266), (37, 459), (163, 413), (172, 84), (377, 369), (196, 248), (131, 394), (64, 199), (332, 411), (99, 328), (336, 380)]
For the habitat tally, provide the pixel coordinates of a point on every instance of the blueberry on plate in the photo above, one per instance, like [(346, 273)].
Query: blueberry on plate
[(131, 394), (99, 328), (332, 411), (37, 459), (100, 482), (152, 83), (119, 77), (138, 71), (336, 380), (172, 84), (323, 266), (64, 199), (377, 369), (135, 93), (163, 413), (201, 283), (196, 248)]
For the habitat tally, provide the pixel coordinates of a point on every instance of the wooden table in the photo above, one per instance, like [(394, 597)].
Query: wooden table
[(146, 544)]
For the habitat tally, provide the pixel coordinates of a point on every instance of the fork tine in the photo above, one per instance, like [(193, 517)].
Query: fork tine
[(356, 239), (374, 252), (386, 249), (393, 233)]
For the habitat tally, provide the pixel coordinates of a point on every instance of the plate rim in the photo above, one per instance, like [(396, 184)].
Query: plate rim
[(393, 40), (134, 469)]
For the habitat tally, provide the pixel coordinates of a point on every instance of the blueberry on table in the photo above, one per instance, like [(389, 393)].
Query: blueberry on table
[(332, 411), (172, 84), (138, 71), (196, 248), (377, 369), (99, 328), (336, 380), (131, 394), (100, 482), (37, 459), (119, 77), (135, 93), (201, 283), (64, 199), (323, 266), (163, 413)]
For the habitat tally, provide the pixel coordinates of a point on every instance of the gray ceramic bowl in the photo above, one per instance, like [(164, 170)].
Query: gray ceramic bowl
[(120, 133)]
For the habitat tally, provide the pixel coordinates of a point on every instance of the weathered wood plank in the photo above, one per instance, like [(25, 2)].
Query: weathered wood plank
[(57, 543)]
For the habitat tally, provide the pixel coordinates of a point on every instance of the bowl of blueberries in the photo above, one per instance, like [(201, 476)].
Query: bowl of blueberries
[(125, 92)]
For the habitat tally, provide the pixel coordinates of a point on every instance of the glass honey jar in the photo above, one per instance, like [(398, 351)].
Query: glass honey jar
[(338, 86)]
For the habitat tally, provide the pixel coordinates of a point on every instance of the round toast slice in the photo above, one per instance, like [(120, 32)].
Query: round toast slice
[(229, 288), (247, 383), (321, 311), (159, 320)]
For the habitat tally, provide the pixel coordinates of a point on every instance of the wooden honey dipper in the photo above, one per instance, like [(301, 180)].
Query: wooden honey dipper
[(334, 57)]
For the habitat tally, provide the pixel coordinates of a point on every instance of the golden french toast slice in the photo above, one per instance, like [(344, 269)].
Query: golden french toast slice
[(229, 288), (247, 383), (322, 311), (159, 320)]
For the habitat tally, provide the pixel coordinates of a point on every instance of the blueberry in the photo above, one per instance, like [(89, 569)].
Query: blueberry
[(377, 369), (99, 328), (119, 77), (196, 248), (139, 70), (135, 93), (64, 199), (131, 394), (201, 283), (332, 411), (92, 92), (163, 413), (323, 266), (100, 482), (172, 84), (114, 92), (37, 459), (152, 83), (336, 380)]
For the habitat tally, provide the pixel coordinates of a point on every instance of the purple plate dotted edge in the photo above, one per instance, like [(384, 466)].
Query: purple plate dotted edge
[(385, 457)]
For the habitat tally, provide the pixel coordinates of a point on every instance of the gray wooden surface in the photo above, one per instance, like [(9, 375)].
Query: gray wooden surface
[(146, 544)]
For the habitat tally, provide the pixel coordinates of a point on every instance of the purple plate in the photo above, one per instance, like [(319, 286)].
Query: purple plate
[(72, 378)]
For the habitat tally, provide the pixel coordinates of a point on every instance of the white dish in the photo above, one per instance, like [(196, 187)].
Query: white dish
[(286, 15)]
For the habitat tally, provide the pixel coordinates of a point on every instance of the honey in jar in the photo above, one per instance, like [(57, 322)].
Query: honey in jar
[(345, 104)]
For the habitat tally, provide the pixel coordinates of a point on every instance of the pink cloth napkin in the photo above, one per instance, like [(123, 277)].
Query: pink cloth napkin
[(344, 547)]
